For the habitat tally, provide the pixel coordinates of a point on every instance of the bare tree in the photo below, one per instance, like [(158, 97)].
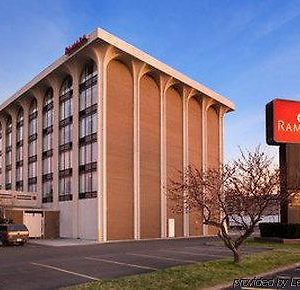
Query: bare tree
[(243, 191)]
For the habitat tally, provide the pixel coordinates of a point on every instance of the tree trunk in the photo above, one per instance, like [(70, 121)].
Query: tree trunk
[(237, 256)]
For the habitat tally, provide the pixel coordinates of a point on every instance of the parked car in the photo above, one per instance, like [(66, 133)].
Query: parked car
[(13, 234)]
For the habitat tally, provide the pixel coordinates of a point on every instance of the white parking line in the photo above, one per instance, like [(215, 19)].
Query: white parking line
[(121, 263), (65, 271), (193, 254), (162, 258)]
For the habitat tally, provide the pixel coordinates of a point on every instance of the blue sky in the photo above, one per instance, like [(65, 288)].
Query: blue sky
[(248, 51)]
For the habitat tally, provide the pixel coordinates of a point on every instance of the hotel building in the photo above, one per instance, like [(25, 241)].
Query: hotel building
[(88, 145)]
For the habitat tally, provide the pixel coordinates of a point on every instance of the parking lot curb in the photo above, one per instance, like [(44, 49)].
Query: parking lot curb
[(272, 272)]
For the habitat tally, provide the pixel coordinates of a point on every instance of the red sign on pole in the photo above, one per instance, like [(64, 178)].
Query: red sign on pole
[(283, 122)]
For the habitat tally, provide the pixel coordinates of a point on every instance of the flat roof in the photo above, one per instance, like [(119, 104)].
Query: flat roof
[(127, 48)]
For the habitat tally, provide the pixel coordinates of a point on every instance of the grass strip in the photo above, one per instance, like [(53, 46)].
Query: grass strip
[(207, 274)]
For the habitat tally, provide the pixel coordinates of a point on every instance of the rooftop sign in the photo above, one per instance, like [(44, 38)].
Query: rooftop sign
[(283, 122), (76, 45)]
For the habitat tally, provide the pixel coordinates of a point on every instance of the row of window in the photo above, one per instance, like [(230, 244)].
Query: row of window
[(88, 141)]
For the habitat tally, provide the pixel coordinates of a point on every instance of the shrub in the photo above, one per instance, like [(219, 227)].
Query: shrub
[(279, 230)]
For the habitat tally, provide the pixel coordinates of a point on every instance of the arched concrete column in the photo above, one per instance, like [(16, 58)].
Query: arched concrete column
[(3, 175), (55, 83), (164, 80), (25, 106), (7, 120), (221, 110), (75, 69), (221, 114), (187, 92), (13, 112), (39, 97), (138, 69), (206, 102), (103, 56)]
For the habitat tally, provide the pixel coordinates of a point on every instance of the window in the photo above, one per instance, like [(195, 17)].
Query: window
[(65, 109), (47, 195), (32, 148), (8, 177), (20, 133), (65, 140), (9, 133), (65, 160), (32, 187), (19, 173), (88, 86), (48, 119), (33, 126), (47, 165), (66, 99), (47, 142), (8, 158), (32, 170), (66, 87), (19, 186), (20, 126), (48, 99), (88, 153), (33, 118), (19, 153), (19, 150), (65, 185), (88, 185), (65, 134), (88, 129), (88, 125)]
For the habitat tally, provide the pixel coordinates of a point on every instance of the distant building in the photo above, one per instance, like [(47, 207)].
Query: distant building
[(97, 134)]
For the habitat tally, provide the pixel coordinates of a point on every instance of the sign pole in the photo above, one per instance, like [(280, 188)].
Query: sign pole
[(283, 182)]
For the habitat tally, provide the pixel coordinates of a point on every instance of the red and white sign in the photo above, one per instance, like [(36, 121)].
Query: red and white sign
[(283, 122)]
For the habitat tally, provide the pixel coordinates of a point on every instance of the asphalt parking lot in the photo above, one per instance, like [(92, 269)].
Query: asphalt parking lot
[(44, 267)]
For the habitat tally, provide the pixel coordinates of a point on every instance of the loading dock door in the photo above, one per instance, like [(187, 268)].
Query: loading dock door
[(34, 223)]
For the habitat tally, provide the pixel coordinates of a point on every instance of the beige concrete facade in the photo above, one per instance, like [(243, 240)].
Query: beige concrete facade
[(150, 120)]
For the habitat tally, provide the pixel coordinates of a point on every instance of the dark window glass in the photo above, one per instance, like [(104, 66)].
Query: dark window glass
[(16, 227), (47, 189), (32, 148), (33, 118), (65, 185), (32, 172), (19, 173), (65, 134), (88, 184), (88, 86), (32, 187), (88, 153), (65, 160), (47, 165), (20, 125), (88, 125), (47, 142)]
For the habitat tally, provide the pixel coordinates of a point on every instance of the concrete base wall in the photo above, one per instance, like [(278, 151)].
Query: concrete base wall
[(66, 219), (87, 218)]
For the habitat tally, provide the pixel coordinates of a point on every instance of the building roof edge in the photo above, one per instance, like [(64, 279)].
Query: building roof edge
[(127, 48)]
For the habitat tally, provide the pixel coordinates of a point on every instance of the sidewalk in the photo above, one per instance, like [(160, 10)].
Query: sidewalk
[(62, 242)]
